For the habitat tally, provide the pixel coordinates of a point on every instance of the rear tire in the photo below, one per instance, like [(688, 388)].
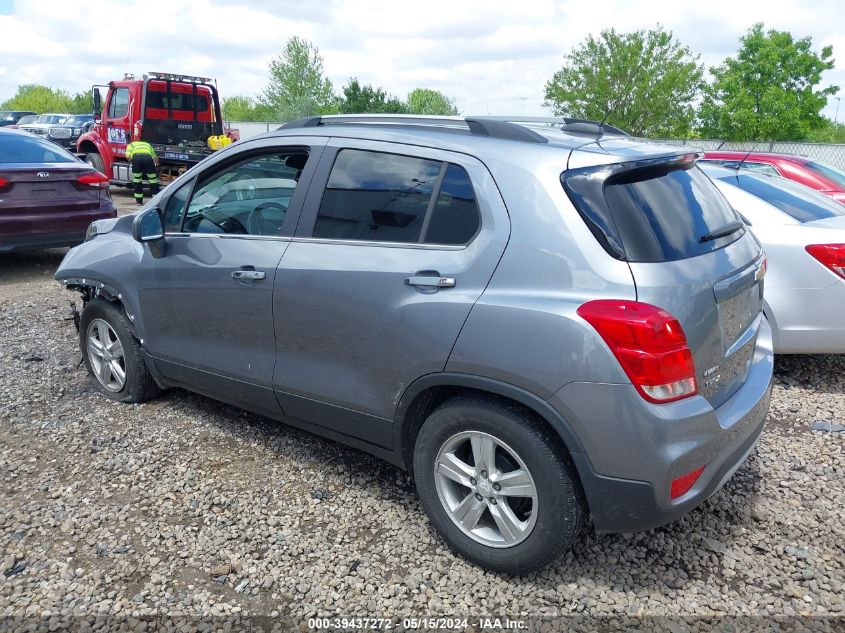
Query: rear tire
[(515, 517), (96, 161), (112, 355)]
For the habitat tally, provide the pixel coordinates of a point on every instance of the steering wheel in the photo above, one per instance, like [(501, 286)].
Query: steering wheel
[(247, 193), (255, 220)]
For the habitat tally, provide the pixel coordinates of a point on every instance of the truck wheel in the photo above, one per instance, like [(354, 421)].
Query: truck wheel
[(497, 484), (112, 355), (96, 161)]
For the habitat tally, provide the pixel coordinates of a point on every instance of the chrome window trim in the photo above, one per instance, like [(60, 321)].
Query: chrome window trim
[(315, 240)]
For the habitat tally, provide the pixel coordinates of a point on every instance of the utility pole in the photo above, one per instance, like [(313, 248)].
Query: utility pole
[(836, 116), (524, 99)]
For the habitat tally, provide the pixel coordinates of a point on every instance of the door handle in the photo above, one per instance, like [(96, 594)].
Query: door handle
[(250, 275), (434, 282)]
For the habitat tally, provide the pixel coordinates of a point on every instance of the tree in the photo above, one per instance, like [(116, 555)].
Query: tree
[(645, 82), (241, 108), (358, 99), (427, 101), (298, 86), (38, 98), (829, 132), (768, 92)]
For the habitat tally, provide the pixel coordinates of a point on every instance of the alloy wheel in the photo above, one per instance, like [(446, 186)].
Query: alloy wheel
[(105, 353), (486, 489)]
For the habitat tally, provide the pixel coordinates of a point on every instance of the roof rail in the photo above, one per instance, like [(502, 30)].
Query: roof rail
[(567, 124), (480, 126)]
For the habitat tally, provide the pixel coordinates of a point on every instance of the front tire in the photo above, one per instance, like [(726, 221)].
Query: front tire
[(496, 483), (112, 355), (96, 161)]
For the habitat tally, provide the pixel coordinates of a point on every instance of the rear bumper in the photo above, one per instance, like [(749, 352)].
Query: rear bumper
[(49, 229), (808, 320), (633, 449)]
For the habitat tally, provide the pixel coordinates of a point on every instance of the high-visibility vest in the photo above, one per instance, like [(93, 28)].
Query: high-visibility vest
[(139, 147)]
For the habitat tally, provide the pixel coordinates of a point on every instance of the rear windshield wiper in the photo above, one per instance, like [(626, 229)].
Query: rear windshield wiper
[(722, 231)]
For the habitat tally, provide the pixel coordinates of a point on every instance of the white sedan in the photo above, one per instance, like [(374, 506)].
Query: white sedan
[(803, 233)]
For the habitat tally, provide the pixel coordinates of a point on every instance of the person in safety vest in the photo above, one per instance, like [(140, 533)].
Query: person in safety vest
[(143, 158)]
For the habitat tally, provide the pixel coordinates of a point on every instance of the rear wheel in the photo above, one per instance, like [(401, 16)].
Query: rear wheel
[(497, 484), (112, 355), (96, 161)]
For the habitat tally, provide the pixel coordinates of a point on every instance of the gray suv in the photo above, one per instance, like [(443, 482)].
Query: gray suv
[(547, 322)]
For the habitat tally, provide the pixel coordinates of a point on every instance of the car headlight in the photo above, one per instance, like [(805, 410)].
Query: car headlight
[(91, 233), (77, 131)]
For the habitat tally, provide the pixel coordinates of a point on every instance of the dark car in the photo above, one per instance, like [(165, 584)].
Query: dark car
[(11, 117), (48, 197), (66, 134), (811, 173)]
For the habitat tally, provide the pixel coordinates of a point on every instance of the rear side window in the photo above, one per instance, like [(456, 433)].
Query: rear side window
[(380, 197), (653, 212), (794, 199), (25, 148)]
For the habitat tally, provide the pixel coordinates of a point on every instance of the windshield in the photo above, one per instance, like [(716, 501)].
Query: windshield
[(27, 148), (78, 119), (51, 118), (826, 171), (30, 118), (794, 199), (6, 116)]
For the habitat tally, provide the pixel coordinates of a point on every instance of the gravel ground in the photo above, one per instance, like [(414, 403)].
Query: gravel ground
[(186, 506)]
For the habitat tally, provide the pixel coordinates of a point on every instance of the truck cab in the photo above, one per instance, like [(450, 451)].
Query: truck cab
[(176, 114)]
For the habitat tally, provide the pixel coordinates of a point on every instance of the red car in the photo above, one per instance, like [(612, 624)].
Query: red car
[(48, 197), (807, 171)]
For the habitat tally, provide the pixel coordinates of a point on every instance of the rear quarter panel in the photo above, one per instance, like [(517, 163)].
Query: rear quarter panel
[(524, 330)]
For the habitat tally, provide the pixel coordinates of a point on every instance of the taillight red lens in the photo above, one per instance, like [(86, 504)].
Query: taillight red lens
[(5, 185), (650, 345), (93, 179), (681, 485), (830, 255)]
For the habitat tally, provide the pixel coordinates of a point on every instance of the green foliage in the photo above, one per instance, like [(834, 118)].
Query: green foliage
[(357, 99), (428, 101), (829, 132), (769, 91), (298, 86), (646, 82), (241, 108), (41, 99)]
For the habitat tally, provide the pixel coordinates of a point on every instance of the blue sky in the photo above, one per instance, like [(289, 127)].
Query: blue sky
[(491, 56)]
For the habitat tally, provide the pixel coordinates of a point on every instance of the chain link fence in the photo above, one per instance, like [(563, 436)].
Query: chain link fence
[(824, 152)]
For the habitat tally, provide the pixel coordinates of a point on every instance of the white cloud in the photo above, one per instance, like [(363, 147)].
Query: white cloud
[(487, 54)]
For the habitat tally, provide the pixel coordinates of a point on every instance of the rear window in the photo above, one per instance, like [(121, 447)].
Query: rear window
[(179, 101), (794, 199), (826, 171), (651, 211), (24, 148)]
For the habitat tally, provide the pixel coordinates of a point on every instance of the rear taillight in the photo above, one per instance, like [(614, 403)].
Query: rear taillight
[(650, 345), (91, 180), (830, 255), (5, 185)]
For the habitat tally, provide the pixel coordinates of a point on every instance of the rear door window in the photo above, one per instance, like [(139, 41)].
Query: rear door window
[(381, 197), (656, 212), (794, 199)]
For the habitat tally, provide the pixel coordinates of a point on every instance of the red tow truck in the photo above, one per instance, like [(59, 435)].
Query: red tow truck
[(179, 115)]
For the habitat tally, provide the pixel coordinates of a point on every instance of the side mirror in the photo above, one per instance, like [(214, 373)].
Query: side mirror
[(98, 106), (149, 229)]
